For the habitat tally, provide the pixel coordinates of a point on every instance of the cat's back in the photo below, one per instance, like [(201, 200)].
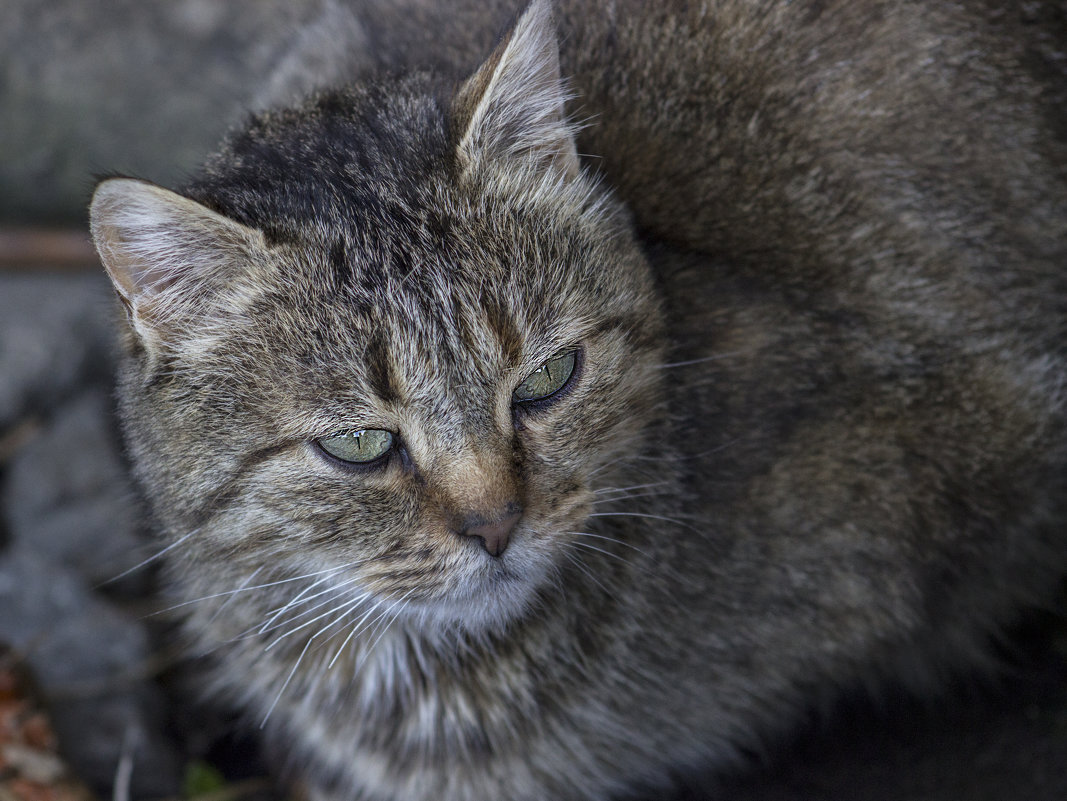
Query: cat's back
[(865, 206), (747, 128), (730, 125)]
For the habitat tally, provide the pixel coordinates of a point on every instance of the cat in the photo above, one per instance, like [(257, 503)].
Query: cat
[(563, 424)]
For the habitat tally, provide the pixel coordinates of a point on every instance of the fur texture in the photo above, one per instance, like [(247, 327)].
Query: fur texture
[(814, 436)]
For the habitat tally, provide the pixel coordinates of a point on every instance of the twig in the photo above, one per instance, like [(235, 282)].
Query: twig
[(124, 770), (46, 248)]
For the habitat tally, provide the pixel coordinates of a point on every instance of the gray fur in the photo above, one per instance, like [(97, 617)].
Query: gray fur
[(816, 438)]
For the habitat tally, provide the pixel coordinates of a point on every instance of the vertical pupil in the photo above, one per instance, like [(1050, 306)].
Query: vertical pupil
[(351, 446), (546, 379)]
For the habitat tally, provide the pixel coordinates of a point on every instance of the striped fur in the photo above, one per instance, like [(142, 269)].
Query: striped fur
[(815, 437)]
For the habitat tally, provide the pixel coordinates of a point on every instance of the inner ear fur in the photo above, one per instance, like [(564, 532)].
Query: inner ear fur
[(162, 251), (513, 107)]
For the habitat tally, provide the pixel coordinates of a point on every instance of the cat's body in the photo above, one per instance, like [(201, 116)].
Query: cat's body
[(812, 436)]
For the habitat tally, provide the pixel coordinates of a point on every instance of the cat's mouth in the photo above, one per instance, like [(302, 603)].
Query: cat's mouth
[(440, 579), (487, 592)]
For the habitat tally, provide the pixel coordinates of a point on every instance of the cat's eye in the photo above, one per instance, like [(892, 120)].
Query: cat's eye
[(358, 447), (548, 379)]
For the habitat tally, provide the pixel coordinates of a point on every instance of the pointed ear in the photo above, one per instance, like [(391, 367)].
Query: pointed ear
[(162, 252), (513, 106)]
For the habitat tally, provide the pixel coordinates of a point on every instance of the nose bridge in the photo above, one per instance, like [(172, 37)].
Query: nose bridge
[(480, 481), (480, 496)]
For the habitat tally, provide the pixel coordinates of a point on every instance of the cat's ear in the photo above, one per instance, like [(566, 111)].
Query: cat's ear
[(513, 106), (162, 252)]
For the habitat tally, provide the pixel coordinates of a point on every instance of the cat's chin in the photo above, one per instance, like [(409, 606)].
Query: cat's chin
[(486, 602)]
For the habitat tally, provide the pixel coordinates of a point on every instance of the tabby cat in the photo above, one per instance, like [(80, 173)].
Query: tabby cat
[(562, 427)]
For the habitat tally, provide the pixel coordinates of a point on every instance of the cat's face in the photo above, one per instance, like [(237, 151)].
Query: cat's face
[(411, 388), (388, 409)]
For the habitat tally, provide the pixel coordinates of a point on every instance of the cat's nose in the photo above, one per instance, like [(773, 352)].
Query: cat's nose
[(494, 534)]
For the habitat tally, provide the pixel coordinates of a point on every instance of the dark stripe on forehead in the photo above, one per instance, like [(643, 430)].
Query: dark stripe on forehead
[(503, 326), (380, 372)]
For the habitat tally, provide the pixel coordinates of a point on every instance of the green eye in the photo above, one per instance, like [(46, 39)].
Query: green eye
[(358, 447), (547, 379)]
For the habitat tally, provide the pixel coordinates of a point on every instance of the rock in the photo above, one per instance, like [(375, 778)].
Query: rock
[(54, 333), (68, 498), (146, 88), (90, 660)]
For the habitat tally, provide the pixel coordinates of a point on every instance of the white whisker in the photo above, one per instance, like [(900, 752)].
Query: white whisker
[(619, 498), (616, 540), (347, 605), (372, 627), (603, 490), (356, 628), (650, 516), (233, 595), (288, 679), (716, 357), (150, 559), (246, 589), (334, 589), (343, 613), (296, 599), (574, 560), (300, 599), (370, 648), (587, 546)]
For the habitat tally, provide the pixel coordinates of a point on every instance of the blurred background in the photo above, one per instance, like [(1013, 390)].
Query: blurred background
[(94, 698)]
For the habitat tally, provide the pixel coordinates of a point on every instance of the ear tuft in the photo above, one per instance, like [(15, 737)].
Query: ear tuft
[(161, 251), (512, 108)]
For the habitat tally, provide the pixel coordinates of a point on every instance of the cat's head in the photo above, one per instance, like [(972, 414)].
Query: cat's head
[(396, 334)]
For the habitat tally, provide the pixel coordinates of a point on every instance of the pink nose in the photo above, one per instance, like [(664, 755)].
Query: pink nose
[(494, 534)]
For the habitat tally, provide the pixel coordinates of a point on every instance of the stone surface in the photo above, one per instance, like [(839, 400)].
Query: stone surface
[(54, 334), (146, 88), (70, 522), (68, 496)]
